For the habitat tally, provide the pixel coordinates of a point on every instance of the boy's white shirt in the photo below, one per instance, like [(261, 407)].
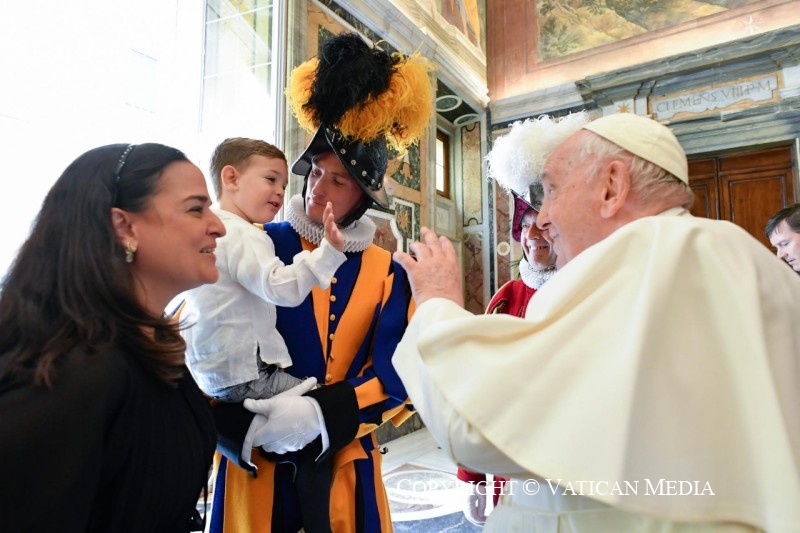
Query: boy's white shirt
[(230, 319)]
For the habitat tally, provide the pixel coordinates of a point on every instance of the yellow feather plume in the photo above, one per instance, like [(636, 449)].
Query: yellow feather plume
[(400, 114)]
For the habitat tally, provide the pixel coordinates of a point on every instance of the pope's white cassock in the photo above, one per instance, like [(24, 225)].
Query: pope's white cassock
[(667, 353)]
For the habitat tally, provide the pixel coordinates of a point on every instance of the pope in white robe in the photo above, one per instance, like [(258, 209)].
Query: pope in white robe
[(654, 384)]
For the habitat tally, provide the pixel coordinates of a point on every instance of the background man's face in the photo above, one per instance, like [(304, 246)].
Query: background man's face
[(538, 250), (787, 244)]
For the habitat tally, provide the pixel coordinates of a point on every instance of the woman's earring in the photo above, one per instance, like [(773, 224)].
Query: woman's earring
[(130, 250)]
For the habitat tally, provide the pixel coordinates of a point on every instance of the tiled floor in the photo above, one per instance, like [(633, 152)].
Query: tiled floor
[(424, 493)]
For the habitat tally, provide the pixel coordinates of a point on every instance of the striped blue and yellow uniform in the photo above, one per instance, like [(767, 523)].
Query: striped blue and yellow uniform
[(344, 336)]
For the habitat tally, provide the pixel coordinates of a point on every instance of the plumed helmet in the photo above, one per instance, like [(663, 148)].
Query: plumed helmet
[(365, 161), (361, 102), (517, 159), (521, 206)]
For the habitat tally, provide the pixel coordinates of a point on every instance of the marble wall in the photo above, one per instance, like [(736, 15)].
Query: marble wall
[(473, 183), (474, 285)]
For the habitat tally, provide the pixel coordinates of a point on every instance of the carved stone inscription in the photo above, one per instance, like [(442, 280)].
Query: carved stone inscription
[(706, 100)]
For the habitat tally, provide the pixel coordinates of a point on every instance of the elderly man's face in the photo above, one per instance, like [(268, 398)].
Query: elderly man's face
[(570, 214), (787, 244)]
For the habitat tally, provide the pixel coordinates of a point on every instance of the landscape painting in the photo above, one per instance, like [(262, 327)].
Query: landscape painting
[(569, 26)]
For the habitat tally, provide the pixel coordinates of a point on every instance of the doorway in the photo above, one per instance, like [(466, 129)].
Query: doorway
[(745, 188)]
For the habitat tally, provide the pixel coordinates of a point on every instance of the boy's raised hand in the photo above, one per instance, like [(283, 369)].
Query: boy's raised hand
[(332, 232)]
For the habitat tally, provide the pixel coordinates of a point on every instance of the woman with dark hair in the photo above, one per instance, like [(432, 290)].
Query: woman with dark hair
[(102, 427)]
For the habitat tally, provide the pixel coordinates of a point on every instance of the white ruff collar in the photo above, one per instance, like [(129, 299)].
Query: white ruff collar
[(535, 278), (357, 236)]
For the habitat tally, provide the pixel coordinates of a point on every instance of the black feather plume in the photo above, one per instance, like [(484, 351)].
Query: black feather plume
[(349, 73)]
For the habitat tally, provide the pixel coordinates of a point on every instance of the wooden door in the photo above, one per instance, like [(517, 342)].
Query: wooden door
[(745, 188), (703, 181)]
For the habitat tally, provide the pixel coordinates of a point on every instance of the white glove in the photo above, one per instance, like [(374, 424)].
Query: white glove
[(475, 503), (286, 422)]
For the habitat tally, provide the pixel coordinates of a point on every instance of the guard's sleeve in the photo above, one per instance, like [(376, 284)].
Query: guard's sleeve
[(233, 421)]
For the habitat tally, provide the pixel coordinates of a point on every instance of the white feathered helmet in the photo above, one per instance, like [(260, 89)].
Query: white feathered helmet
[(517, 158)]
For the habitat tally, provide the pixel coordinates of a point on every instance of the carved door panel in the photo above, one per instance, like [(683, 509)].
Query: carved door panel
[(746, 189), (703, 181)]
